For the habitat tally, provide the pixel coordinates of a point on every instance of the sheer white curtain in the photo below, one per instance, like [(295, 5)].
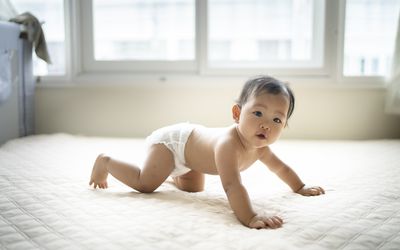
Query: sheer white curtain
[(393, 95)]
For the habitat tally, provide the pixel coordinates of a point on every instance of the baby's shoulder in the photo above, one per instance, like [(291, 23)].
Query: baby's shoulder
[(228, 142)]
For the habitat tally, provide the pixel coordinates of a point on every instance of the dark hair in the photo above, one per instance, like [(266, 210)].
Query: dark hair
[(265, 84)]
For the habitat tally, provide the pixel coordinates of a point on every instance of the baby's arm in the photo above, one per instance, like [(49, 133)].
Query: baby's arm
[(288, 175), (226, 160)]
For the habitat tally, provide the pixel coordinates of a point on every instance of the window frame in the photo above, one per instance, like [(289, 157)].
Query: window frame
[(90, 64), (82, 68), (310, 70), (341, 78)]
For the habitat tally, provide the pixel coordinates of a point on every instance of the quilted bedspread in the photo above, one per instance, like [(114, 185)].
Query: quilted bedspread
[(46, 202)]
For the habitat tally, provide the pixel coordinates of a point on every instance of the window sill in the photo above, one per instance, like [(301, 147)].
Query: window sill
[(184, 80)]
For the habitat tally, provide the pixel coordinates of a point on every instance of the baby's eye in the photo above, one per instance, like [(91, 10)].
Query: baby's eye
[(257, 113), (277, 120)]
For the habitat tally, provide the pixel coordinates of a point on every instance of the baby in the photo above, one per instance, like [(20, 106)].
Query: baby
[(186, 152)]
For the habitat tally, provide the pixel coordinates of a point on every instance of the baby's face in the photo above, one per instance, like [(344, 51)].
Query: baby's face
[(263, 118)]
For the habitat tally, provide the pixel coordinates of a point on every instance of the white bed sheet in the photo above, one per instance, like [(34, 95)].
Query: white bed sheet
[(45, 200)]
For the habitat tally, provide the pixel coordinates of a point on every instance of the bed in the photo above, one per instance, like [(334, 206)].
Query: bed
[(46, 202)]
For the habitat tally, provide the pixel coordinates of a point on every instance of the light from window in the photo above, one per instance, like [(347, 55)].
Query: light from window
[(370, 33), (160, 30), (51, 14), (275, 33)]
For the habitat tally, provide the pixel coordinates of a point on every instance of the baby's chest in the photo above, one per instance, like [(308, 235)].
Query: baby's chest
[(245, 163)]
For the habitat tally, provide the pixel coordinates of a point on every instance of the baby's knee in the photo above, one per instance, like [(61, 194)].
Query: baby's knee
[(188, 185), (146, 189), (193, 189)]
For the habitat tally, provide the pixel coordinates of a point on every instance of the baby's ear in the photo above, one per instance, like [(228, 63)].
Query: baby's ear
[(236, 112)]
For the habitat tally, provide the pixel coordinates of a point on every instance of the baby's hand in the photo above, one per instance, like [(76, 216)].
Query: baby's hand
[(265, 222), (311, 191)]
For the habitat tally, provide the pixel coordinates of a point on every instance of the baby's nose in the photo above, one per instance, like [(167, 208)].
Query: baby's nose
[(264, 126)]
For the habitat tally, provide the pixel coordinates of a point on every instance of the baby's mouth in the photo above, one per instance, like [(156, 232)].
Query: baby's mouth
[(261, 136)]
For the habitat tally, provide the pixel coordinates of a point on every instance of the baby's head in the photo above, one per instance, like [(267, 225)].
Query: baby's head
[(266, 85)]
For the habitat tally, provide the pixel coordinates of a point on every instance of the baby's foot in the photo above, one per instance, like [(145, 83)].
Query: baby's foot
[(99, 172)]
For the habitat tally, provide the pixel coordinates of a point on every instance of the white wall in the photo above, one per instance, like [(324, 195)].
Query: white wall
[(327, 112)]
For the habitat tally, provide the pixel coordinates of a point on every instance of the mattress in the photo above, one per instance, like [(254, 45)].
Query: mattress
[(46, 202)]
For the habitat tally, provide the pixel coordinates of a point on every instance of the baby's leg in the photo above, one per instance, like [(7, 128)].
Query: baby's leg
[(157, 167), (193, 181)]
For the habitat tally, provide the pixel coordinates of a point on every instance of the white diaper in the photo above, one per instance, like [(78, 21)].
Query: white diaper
[(174, 137)]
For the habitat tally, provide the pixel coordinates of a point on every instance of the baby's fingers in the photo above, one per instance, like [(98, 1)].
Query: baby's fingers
[(316, 191), (273, 222)]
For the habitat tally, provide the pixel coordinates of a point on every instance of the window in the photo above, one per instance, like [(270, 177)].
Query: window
[(168, 35), (370, 31), (275, 33), (218, 37), (51, 14), (147, 30)]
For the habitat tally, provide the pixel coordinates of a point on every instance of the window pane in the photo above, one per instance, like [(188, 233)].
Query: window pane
[(370, 33), (144, 29), (259, 32), (51, 13)]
